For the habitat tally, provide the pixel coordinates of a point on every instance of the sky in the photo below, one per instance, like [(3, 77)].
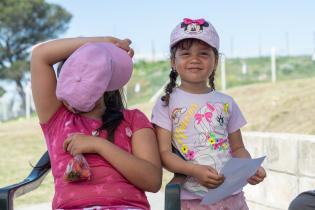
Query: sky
[(246, 27)]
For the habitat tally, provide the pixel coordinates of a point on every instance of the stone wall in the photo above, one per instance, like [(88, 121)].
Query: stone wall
[(290, 166)]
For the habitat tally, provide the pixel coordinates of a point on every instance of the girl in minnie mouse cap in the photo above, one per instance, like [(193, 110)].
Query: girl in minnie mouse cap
[(201, 123)]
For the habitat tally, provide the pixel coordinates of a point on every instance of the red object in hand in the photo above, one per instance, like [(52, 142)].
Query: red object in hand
[(77, 170)]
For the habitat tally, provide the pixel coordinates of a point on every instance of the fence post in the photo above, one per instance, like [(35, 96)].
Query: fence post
[(223, 79), (3, 109), (273, 65), (244, 67), (125, 88), (28, 100)]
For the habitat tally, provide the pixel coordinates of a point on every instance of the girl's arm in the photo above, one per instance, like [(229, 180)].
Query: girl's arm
[(206, 175), (142, 168), (238, 150), (237, 146), (171, 161), (43, 78)]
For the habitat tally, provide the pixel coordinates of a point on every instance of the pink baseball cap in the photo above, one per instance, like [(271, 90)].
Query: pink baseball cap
[(91, 70), (195, 29)]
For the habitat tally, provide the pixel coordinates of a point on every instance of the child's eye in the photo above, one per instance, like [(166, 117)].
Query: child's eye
[(184, 53), (205, 53)]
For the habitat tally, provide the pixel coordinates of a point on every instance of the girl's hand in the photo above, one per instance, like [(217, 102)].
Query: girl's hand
[(258, 177), (125, 45), (78, 143), (207, 176)]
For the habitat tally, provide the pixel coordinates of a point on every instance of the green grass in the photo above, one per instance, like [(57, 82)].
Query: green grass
[(150, 77), (22, 144)]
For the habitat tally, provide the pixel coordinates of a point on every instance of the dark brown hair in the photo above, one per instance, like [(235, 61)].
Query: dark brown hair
[(114, 105), (184, 44)]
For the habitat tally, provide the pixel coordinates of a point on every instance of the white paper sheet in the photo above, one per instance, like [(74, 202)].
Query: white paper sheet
[(236, 172)]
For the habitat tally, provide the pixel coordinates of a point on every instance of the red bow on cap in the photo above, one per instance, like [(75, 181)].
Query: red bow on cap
[(188, 21)]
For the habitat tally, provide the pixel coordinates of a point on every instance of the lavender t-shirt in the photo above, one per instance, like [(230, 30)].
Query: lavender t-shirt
[(200, 125)]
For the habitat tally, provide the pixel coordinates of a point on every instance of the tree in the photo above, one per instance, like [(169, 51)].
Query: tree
[(23, 24), (2, 91)]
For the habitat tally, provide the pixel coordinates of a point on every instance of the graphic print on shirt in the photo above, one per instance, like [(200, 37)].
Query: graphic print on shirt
[(181, 118), (211, 146), (177, 113)]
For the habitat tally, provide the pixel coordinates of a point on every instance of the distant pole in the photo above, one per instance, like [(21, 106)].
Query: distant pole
[(313, 58), (223, 80), (4, 111), (137, 88), (273, 65), (28, 101), (244, 67), (125, 88)]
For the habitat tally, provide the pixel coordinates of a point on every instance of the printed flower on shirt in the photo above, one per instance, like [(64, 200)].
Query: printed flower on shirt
[(190, 155), (220, 144), (211, 140), (226, 108), (128, 132), (212, 135), (184, 148), (225, 146)]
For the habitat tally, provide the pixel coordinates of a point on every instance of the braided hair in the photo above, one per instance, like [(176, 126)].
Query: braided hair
[(184, 44), (169, 87)]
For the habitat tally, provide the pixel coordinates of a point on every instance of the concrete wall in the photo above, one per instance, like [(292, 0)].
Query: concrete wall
[(290, 166)]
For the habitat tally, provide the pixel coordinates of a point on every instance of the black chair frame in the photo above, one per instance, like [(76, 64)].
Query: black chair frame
[(31, 182)]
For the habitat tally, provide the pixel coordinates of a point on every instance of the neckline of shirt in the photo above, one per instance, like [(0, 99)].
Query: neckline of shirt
[(195, 94)]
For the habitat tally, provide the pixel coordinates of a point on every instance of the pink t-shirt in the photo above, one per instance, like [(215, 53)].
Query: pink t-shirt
[(107, 186)]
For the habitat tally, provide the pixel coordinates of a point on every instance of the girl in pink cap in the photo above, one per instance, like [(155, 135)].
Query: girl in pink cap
[(200, 122), (118, 144)]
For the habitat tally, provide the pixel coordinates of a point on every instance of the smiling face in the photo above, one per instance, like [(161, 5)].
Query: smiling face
[(194, 61)]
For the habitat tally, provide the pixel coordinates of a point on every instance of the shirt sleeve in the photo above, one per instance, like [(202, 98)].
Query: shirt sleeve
[(139, 121), (54, 122), (160, 116), (237, 120)]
